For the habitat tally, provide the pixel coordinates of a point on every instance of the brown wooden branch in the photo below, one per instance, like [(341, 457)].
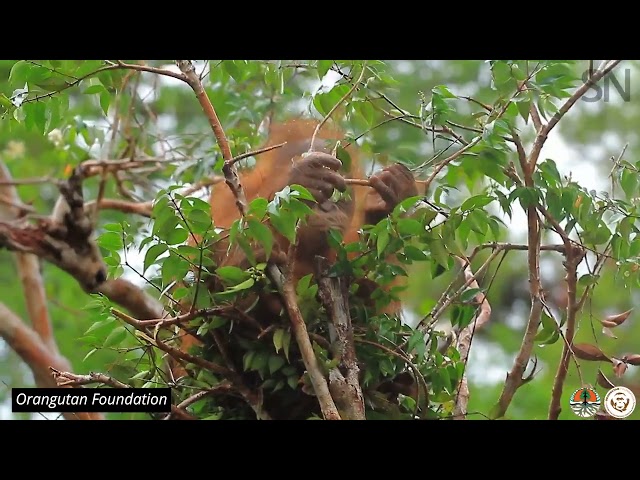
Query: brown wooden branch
[(254, 153), (135, 300), (465, 338), (228, 169), (514, 378), (138, 208), (252, 397), (287, 290), (29, 273), (573, 258), (222, 387), (68, 379), (36, 355), (345, 389)]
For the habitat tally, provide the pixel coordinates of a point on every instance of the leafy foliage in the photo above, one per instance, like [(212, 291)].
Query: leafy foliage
[(65, 112)]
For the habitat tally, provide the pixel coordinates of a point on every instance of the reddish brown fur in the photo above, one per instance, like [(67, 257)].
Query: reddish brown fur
[(270, 175)]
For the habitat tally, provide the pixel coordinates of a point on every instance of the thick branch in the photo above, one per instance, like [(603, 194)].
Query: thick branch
[(136, 301), (138, 208), (574, 257), (31, 349), (287, 290), (514, 377), (334, 294), (29, 273)]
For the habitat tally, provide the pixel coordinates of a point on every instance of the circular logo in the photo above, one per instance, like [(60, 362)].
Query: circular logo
[(619, 402), (585, 402)]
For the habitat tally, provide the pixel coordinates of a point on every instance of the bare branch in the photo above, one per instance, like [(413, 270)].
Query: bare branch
[(287, 290), (465, 338), (228, 169), (573, 258), (138, 208), (334, 294), (221, 387), (64, 379), (29, 273)]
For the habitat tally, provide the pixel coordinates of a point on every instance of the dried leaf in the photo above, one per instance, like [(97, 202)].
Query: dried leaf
[(608, 332), (608, 323), (619, 318), (632, 359), (619, 367), (585, 351), (603, 381)]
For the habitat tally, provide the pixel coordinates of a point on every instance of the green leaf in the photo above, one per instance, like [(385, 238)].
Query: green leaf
[(247, 284), (110, 241), (275, 363), (588, 279), (382, 241), (477, 201), (285, 224), (443, 91), (91, 352), (19, 72), (258, 207), (323, 67), (469, 294), (39, 116), (262, 234), (116, 336), (524, 108), (286, 342), (199, 221), (231, 274), (176, 236), (174, 268), (414, 253), (152, 254), (94, 89), (629, 182), (301, 192), (278, 337), (248, 360), (99, 324), (105, 101), (409, 226)]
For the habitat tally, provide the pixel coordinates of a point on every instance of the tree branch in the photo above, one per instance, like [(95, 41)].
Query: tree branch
[(287, 290), (334, 295), (465, 338), (32, 350), (228, 169), (573, 258)]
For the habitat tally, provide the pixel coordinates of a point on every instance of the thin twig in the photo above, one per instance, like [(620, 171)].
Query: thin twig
[(228, 169), (335, 107), (465, 338)]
